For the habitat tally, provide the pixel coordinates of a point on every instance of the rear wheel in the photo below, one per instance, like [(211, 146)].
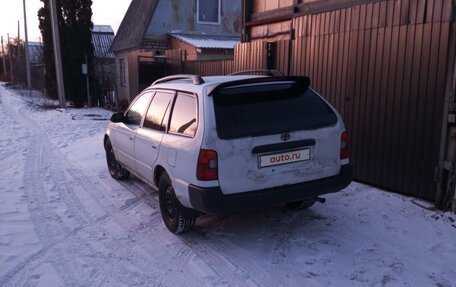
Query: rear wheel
[(177, 218), (300, 204), (115, 169)]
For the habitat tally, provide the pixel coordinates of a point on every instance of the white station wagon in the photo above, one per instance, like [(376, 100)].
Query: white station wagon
[(224, 144)]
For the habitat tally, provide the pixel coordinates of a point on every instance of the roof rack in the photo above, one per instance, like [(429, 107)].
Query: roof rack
[(257, 72), (197, 80)]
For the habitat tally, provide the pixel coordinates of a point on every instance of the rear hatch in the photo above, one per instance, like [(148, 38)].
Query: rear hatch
[(272, 132)]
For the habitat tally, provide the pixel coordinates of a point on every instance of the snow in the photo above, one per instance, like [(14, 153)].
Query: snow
[(65, 222), (207, 41)]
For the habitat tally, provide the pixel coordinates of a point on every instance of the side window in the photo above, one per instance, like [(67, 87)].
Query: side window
[(184, 115), (157, 110), (137, 110)]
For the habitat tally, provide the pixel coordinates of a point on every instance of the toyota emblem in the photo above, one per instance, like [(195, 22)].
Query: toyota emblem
[(285, 136)]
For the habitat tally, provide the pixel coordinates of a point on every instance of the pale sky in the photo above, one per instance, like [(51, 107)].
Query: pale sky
[(105, 12)]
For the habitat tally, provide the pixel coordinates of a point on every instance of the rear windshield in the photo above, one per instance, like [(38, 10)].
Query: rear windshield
[(257, 110)]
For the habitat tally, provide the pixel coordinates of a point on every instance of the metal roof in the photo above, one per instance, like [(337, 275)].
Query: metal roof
[(102, 29), (134, 25), (207, 41), (102, 38)]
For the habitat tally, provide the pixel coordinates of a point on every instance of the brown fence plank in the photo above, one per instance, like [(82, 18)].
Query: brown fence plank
[(413, 11), (405, 12), (370, 117), (347, 67), (392, 150), (363, 92), (411, 132), (403, 92), (375, 15), (282, 50), (429, 11), (422, 138), (397, 13), (338, 58), (383, 98), (387, 87), (316, 49), (358, 107), (438, 12), (447, 10), (429, 161), (390, 13), (325, 58), (378, 108), (421, 12)]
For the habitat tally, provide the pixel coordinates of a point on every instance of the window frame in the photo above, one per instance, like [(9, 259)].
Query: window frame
[(219, 16), (166, 115)]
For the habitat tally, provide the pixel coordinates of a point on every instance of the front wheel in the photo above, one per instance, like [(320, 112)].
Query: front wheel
[(115, 169), (177, 218)]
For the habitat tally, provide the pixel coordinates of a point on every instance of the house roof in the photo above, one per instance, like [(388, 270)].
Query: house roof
[(134, 25), (102, 38), (35, 50), (102, 29), (207, 41)]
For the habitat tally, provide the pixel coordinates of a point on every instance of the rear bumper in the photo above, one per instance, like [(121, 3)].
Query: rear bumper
[(213, 201)]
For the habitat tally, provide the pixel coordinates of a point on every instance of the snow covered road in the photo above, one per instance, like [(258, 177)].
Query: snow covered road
[(65, 222)]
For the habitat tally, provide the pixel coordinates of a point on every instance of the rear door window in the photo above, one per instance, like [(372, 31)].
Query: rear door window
[(184, 116), (269, 108)]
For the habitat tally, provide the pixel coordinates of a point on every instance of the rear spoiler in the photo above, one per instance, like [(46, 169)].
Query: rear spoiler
[(301, 82)]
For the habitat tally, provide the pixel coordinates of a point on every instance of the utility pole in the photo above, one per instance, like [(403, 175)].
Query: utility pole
[(10, 52), (57, 56), (85, 71), (18, 39), (4, 61), (27, 55)]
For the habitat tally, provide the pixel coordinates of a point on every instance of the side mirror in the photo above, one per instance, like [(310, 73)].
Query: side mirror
[(118, 117)]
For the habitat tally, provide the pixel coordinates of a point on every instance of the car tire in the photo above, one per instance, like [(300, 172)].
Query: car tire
[(300, 204), (115, 168), (177, 218)]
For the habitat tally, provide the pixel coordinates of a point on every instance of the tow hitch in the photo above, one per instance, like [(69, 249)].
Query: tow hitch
[(320, 199)]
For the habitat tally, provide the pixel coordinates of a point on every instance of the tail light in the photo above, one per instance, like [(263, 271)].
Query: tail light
[(344, 154), (207, 168)]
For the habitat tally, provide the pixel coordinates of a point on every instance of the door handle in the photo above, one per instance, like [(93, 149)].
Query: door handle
[(130, 138), (154, 146)]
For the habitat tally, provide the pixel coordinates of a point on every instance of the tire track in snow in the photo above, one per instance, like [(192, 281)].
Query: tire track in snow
[(44, 157), (281, 246), (61, 252), (217, 254)]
